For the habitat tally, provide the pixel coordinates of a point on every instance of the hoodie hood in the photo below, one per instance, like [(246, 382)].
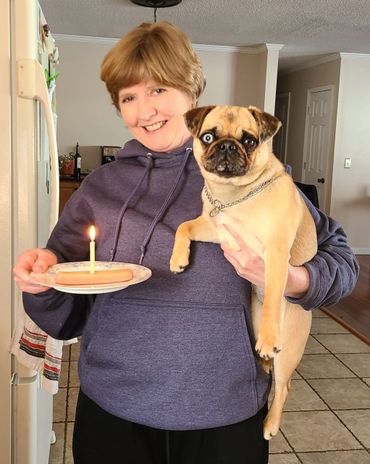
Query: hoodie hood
[(134, 149)]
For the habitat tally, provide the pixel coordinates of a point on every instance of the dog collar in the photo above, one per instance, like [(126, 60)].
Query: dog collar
[(218, 206)]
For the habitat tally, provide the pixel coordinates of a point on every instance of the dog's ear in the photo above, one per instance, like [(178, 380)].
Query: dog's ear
[(267, 124), (194, 118)]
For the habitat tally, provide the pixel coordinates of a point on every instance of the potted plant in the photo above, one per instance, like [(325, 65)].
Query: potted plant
[(66, 164)]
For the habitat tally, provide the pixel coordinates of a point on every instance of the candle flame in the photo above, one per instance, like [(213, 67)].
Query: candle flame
[(92, 233)]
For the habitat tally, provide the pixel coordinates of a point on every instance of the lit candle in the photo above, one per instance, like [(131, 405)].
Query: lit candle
[(92, 250)]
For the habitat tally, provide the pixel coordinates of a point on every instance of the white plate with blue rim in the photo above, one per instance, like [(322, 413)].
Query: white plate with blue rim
[(47, 279)]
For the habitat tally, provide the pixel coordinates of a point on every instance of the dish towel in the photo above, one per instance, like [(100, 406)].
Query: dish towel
[(36, 350)]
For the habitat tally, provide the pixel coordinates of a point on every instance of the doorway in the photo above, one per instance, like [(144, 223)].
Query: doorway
[(280, 141)]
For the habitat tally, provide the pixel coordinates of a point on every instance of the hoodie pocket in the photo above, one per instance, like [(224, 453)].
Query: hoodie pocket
[(160, 341)]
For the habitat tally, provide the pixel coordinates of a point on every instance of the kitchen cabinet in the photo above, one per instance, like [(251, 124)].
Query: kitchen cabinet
[(67, 187)]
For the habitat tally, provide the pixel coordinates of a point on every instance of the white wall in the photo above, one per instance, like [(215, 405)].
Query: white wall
[(351, 187), (86, 115)]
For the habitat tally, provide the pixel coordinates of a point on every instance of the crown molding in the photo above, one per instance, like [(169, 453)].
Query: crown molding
[(355, 56), (85, 39), (197, 47)]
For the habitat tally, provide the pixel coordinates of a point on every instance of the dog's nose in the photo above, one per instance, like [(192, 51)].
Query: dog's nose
[(227, 146)]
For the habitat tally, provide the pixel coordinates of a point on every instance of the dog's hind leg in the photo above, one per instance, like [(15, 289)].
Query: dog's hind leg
[(295, 332)]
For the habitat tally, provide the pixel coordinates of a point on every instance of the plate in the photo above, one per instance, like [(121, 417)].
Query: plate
[(47, 279)]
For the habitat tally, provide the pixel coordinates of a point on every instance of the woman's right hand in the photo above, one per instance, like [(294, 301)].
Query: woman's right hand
[(36, 260)]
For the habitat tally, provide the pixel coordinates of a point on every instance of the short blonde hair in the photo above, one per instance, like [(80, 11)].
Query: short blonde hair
[(153, 51)]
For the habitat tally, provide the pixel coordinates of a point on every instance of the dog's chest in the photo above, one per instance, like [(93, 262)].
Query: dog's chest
[(244, 228)]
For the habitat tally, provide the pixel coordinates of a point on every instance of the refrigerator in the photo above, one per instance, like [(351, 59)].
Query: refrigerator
[(29, 202)]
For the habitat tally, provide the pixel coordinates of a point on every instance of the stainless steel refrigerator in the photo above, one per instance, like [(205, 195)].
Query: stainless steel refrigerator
[(29, 191)]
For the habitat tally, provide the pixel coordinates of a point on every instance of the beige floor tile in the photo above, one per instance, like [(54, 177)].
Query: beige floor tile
[(343, 343), (343, 393), (336, 457), (278, 444), (69, 457), (66, 353), (283, 459), (316, 431), (325, 325), (322, 366), (358, 421), (367, 381), (302, 398), (358, 362), (74, 379), (72, 401), (56, 450), (318, 313), (75, 351), (59, 405), (63, 381), (314, 347)]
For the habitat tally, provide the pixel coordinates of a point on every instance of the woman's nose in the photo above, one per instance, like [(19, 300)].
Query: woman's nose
[(146, 110)]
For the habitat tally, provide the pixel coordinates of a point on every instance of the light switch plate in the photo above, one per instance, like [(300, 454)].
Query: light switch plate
[(347, 163)]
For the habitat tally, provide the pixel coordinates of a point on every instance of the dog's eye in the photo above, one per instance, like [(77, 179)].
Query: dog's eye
[(249, 143), (207, 138)]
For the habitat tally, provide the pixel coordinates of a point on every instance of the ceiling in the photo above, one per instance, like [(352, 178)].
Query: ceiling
[(308, 29)]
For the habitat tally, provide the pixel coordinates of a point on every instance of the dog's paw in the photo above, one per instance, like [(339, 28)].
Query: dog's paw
[(266, 365), (268, 347), (179, 262), (270, 429)]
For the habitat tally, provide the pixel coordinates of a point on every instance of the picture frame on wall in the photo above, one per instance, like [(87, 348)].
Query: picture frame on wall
[(108, 153)]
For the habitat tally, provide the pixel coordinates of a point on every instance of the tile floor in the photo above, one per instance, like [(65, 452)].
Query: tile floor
[(327, 415)]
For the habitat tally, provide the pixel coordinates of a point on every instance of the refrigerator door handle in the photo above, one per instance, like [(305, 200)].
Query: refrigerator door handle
[(31, 85), (17, 380)]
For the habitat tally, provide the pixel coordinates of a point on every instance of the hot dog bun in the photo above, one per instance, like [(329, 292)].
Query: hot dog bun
[(98, 277)]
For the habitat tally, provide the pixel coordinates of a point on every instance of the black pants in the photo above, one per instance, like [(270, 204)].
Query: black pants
[(100, 438)]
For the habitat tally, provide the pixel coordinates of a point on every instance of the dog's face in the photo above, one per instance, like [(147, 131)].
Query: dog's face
[(230, 139)]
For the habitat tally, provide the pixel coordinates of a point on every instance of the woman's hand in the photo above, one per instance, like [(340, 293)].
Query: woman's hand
[(251, 266), (36, 260)]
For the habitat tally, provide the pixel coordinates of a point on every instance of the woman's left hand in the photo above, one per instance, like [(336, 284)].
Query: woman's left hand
[(251, 266)]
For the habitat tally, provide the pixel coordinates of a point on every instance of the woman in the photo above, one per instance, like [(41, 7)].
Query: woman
[(167, 368)]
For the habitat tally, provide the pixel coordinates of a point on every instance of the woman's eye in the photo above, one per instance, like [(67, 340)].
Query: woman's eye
[(208, 138), (249, 143), (127, 99), (158, 91)]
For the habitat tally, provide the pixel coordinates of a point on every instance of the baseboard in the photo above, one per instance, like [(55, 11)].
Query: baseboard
[(361, 251)]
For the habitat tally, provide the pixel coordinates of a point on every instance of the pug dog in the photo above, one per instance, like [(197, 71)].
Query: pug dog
[(247, 188)]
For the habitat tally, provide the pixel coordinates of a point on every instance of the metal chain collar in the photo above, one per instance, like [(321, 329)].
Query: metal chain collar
[(218, 206)]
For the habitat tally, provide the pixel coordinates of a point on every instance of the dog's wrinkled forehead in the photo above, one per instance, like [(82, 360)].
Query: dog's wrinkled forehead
[(230, 122)]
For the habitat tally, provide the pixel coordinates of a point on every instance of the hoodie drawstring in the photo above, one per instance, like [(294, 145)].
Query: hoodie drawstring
[(125, 206), (163, 208)]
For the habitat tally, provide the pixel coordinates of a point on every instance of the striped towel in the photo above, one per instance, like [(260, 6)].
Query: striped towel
[(38, 351)]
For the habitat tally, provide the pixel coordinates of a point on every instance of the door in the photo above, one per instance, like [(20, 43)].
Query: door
[(316, 158), (280, 141)]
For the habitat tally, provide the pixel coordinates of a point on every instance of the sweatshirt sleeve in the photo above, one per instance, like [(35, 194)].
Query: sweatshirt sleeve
[(63, 315), (334, 270)]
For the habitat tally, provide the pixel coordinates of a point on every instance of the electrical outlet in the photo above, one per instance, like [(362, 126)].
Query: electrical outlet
[(347, 163)]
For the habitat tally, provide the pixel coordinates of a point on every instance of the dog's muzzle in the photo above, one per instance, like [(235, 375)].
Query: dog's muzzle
[(226, 159)]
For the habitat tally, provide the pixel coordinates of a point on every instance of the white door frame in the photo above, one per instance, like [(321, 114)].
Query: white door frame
[(329, 168)]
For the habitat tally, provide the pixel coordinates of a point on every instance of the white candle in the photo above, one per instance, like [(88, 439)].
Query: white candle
[(92, 250)]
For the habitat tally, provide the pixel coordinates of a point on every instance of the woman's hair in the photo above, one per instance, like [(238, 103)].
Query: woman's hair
[(153, 51)]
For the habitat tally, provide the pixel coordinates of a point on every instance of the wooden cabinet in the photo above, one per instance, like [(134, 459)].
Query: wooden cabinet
[(66, 188)]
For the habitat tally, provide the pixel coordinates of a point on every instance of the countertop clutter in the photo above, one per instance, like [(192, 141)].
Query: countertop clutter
[(92, 156)]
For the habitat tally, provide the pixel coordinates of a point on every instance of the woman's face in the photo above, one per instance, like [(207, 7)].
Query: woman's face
[(154, 113)]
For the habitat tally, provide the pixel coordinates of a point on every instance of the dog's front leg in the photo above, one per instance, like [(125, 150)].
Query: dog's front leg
[(276, 272), (199, 229)]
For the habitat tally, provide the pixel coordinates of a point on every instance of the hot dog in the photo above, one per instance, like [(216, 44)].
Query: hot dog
[(98, 277)]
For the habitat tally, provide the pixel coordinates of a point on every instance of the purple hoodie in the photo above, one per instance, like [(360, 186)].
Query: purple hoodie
[(177, 351)]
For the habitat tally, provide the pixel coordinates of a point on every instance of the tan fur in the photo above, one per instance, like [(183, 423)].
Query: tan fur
[(275, 223)]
